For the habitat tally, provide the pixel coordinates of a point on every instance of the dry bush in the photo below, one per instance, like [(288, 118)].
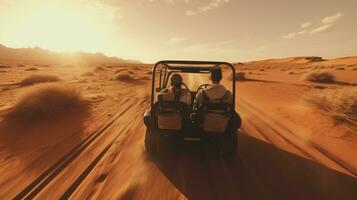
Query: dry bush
[(262, 70), (46, 101), (21, 66), (99, 68), (340, 68), (124, 77), (3, 71), (240, 76), (31, 69), (88, 74), (38, 78), (355, 68), (341, 104), (319, 77), (291, 72), (4, 66)]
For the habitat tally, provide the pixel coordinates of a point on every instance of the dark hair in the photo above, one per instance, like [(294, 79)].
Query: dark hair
[(216, 74), (176, 80)]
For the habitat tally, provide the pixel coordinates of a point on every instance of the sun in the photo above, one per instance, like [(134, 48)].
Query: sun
[(64, 26)]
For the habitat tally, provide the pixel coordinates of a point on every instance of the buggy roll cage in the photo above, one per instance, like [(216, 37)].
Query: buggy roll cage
[(183, 66)]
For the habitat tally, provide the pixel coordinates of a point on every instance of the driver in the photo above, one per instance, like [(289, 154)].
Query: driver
[(215, 91), (176, 91)]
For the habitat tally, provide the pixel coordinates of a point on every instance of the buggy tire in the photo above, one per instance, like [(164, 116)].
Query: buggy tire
[(150, 142)]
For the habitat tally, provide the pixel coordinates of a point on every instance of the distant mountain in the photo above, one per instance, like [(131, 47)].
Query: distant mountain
[(38, 55)]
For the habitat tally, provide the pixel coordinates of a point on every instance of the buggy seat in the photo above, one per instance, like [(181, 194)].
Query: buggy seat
[(171, 114), (215, 114)]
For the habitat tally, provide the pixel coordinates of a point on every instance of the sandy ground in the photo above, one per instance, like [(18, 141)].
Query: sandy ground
[(286, 149)]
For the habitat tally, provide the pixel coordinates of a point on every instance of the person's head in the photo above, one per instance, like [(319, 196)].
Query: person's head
[(216, 74), (176, 81)]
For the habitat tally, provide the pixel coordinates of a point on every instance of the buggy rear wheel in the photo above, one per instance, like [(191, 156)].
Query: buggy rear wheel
[(150, 141)]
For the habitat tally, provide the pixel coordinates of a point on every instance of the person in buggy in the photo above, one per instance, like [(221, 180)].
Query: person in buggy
[(174, 105), (176, 92), (215, 100)]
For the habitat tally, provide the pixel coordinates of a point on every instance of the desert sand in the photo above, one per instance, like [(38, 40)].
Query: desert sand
[(287, 148)]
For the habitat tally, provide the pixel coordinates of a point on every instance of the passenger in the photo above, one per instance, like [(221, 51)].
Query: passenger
[(216, 93), (176, 91), (174, 98)]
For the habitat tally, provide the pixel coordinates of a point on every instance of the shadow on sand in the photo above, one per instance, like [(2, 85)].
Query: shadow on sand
[(259, 171)]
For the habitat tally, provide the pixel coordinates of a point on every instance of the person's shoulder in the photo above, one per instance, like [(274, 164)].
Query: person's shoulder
[(186, 92), (215, 87), (164, 91)]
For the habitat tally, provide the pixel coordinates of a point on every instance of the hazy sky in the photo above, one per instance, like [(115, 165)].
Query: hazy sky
[(150, 30)]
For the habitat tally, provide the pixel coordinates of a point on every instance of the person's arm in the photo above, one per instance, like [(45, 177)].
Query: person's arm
[(228, 97), (188, 98), (198, 100)]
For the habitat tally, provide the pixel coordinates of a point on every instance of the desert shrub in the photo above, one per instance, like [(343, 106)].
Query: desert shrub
[(31, 69), (38, 78), (47, 100), (291, 72), (240, 76), (340, 104), (340, 68), (123, 77), (3, 71), (262, 70), (319, 77), (4, 66), (99, 68), (355, 68), (88, 74)]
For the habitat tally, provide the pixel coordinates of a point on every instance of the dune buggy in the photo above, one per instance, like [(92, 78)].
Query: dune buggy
[(167, 121)]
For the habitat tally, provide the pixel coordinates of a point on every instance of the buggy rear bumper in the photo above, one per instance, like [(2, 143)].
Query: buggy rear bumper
[(194, 136)]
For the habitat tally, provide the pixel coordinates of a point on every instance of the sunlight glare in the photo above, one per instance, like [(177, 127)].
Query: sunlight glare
[(64, 26)]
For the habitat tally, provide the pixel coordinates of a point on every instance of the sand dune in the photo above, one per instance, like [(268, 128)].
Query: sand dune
[(38, 78), (288, 148), (295, 60)]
